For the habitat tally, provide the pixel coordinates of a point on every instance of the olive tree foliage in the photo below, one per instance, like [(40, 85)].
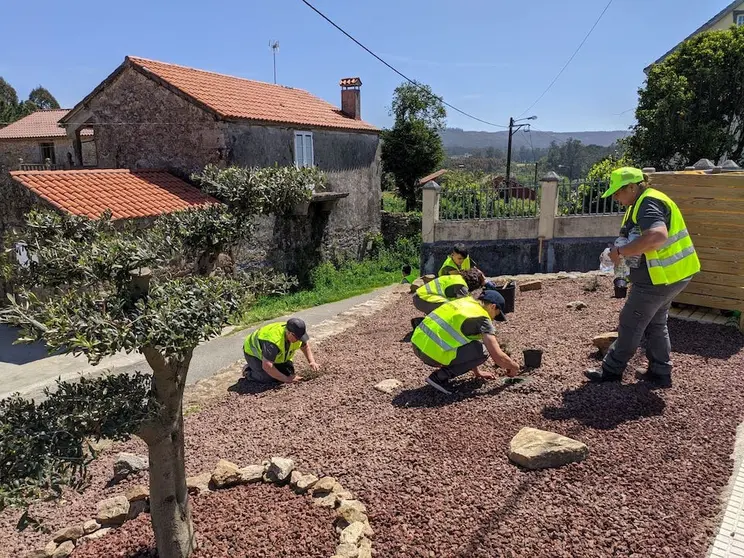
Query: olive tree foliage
[(95, 287)]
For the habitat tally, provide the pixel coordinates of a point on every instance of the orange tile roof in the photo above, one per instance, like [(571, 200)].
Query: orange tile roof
[(232, 97), (127, 193), (39, 124), (432, 176)]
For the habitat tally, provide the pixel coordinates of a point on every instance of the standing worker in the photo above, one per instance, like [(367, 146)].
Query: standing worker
[(457, 261), (662, 260), (452, 340), (436, 292), (269, 352)]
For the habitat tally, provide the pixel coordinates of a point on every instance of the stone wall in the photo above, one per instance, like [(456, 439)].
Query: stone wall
[(399, 225), (155, 128), (30, 151)]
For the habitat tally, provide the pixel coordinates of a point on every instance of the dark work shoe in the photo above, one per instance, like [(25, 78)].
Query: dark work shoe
[(439, 385), (601, 375), (415, 322), (662, 381)]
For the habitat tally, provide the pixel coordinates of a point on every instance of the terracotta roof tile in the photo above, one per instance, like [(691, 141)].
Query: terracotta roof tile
[(39, 124), (232, 97), (137, 193)]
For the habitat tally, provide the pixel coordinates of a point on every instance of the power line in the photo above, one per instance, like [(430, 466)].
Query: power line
[(394, 69), (569, 60)]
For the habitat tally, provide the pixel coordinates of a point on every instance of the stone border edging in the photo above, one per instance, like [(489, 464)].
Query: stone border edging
[(351, 522)]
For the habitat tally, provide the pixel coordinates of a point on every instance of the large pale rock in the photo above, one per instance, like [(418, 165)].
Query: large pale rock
[(302, 483), (352, 534), (97, 534), (388, 386), (91, 526), (198, 483), (37, 554), (325, 500), (50, 548), (64, 550), (416, 284), (137, 507), (129, 463), (365, 548), (345, 550), (113, 511), (577, 305), (604, 341), (530, 286), (352, 511), (279, 470), (326, 485), (137, 493), (251, 473), (539, 449), (72, 533), (225, 474)]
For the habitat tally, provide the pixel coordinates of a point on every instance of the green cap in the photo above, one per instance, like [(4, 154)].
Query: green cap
[(622, 177)]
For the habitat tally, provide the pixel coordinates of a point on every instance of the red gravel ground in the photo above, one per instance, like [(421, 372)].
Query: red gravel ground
[(252, 521), (433, 470)]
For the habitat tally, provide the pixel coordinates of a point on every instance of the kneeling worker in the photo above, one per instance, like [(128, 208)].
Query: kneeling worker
[(269, 352), (449, 339), (433, 294)]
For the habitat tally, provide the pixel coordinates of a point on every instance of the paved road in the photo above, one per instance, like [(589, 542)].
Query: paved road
[(28, 370)]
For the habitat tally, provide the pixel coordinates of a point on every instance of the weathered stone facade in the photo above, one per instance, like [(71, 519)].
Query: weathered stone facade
[(30, 151), (159, 128)]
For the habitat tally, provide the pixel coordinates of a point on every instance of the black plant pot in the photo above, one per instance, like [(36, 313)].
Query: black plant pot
[(532, 358)]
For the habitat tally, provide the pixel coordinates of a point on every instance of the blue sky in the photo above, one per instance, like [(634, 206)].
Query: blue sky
[(491, 58)]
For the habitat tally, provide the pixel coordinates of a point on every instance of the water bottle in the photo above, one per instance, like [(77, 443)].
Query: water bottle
[(633, 261), (605, 262), (621, 271)]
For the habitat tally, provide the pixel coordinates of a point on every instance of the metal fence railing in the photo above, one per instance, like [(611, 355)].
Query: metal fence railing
[(486, 201), (584, 197)]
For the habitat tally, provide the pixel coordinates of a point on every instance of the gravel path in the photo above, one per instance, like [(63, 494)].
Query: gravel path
[(433, 471)]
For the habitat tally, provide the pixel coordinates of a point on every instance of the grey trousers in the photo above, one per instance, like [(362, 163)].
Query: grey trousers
[(423, 306), (645, 311), (256, 373), (468, 357)]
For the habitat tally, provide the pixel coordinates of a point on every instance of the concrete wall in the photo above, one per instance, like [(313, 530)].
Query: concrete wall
[(587, 226), (475, 230)]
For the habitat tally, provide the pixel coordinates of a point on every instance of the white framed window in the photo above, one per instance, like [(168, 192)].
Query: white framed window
[(304, 149), (739, 19)]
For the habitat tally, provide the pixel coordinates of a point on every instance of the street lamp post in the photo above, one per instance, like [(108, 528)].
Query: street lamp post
[(513, 127)]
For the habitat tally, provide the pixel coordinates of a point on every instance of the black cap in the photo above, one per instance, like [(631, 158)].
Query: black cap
[(297, 326), (494, 297)]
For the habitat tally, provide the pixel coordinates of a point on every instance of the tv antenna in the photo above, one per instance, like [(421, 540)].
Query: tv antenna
[(274, 46)]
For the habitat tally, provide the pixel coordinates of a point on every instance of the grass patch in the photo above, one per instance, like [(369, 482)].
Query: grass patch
[(331, 283)]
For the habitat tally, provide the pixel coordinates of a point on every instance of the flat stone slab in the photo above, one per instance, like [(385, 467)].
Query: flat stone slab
[(539, 449), (388, 386)]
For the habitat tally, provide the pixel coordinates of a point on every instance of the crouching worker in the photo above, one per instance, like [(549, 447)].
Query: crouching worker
[(433, 294), (459, 336), (269, 352)]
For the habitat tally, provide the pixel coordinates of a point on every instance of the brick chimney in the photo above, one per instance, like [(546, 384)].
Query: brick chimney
[(351, 102)]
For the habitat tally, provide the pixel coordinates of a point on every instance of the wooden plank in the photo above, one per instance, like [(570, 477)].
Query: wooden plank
[(709, 316), (727, 268), (694, 204), (720, 255), (715, 218), (699, 226), (710, 278), (710, 301), (698, 314), (705, 241), (720, 319), (722, 291), (723, 180), (683, 313), (682, 193)]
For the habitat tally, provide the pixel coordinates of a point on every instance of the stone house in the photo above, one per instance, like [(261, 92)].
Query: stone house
[(150, 114), (38, 140)]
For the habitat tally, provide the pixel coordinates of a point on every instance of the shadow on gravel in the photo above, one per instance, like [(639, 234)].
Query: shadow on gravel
[(426, 396), (605, 406), (246, 387), (705, 340)]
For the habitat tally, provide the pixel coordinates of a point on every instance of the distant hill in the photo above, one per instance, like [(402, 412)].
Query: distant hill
[(455, 139)]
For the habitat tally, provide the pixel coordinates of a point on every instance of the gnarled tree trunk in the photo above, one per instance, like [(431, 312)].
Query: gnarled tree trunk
[(169, 503)]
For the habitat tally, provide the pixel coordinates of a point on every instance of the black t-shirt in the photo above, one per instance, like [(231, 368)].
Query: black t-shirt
[(455, 291), (651, 214), (270, 351), (477, 326)]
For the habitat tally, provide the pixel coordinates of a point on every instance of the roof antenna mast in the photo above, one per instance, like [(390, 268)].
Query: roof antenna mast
[(274, 46)]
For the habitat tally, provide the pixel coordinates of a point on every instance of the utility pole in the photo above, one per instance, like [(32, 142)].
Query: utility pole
[(274, 46), (513, 127)]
